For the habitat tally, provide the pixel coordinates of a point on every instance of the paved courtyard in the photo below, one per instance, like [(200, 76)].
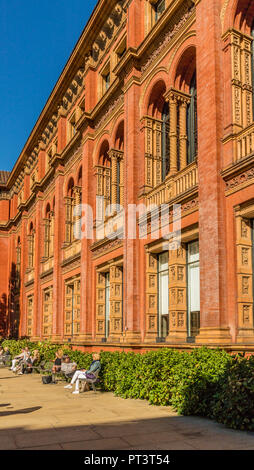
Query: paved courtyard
[(37, 416)]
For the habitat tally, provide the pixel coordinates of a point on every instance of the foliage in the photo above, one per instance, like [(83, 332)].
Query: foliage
[(232, 403), (204, 382)]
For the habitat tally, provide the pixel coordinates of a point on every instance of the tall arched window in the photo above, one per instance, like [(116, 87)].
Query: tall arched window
[(165, 144), (104, 179), (192, 121)]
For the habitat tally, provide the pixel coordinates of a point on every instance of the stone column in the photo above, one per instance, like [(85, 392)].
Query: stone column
[(113, 156), (87, 270), (132, 184), (37, 265), (183, 134), (214, 324), (173, 133), (58, 294)]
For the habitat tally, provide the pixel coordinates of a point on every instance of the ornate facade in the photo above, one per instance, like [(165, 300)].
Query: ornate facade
[(154, 108)]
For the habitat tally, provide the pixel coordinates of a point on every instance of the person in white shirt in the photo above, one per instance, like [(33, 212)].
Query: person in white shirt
[(24, 355)]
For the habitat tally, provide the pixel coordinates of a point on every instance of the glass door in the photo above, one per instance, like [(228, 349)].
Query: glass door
[(193, 316)]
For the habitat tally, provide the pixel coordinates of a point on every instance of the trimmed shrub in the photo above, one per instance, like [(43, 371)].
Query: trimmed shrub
[(233, 400), (204, 382)]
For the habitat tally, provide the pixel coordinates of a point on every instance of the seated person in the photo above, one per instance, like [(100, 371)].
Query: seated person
[(23, 356), (81, 374), (30, 362), (57, 362), (68, 368), (6, 355)]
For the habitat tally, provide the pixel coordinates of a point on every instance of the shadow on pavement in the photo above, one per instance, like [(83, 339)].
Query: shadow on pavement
[(19, 412)]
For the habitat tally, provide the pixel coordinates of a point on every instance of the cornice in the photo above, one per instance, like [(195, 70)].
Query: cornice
[(75, 61)]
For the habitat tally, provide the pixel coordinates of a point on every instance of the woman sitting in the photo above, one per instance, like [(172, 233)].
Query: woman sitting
[(57, 362)]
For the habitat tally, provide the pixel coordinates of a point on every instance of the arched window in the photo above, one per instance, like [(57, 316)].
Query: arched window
[(157, 147), (192, 121), (117, 155), (104, 179), (165, 144)]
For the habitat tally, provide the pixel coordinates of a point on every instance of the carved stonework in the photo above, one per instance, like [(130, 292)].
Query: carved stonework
[(242, 178), (178, 20), (177, 293), (244, 275)]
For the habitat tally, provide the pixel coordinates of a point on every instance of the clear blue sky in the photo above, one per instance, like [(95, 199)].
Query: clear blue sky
[(37, 38)]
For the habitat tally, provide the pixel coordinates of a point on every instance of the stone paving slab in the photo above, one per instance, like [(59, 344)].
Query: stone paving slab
[(34, 416)]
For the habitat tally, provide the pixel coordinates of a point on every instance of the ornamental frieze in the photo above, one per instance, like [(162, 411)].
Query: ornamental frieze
[(177, 22), (242, 178), (113, 104), (102, 250)]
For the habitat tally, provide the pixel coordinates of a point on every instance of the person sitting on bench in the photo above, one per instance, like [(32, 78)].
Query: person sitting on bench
[(6, 356), (95, 367), (23, 356), (57, 362), (68, 368), (28, 364)]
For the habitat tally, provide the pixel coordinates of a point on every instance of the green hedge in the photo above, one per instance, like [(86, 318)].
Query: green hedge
[(204, 382)]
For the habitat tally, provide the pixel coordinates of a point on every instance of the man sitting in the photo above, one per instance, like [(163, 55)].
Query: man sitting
[(68, 368), (95, 367), (23, 356)]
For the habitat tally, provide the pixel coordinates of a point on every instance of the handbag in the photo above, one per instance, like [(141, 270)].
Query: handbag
[(46, 379), (90, 376)]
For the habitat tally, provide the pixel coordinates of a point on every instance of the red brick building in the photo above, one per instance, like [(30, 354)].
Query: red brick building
[(154, 106)]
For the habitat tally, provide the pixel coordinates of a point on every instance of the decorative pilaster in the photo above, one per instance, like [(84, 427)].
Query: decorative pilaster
[(153, 153), (244, 280), (100, 306), (246, 80), (116, 303), (47, 320), (177, 295), (30, 315), (151, 297)]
